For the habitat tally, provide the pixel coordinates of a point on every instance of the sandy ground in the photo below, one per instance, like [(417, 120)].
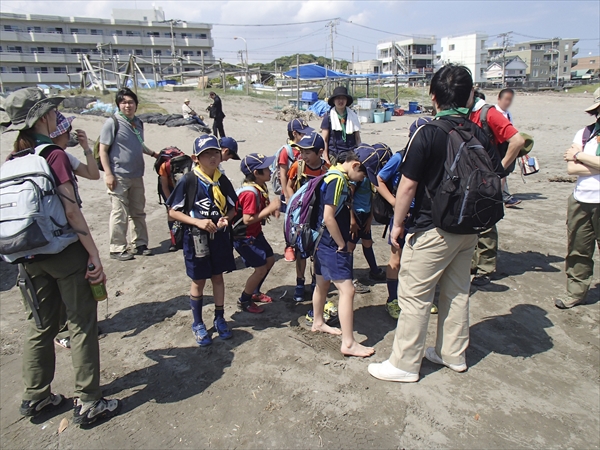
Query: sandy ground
[(533, 379)]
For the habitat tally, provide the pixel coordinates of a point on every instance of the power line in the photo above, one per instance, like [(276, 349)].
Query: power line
[(271, 24), (359, 40), (393, 33)]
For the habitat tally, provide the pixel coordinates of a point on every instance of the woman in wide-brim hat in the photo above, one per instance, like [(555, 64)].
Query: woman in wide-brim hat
[(340, 127), (60, 280)]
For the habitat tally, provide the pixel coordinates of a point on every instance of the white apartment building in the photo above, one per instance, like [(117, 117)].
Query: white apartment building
[(414, 55), (468, 50), (41, 49)]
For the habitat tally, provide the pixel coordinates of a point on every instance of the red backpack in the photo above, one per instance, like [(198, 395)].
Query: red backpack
[(177, 164)]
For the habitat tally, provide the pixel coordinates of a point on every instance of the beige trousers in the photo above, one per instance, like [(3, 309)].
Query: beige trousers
[(430, 258), (128, 203)]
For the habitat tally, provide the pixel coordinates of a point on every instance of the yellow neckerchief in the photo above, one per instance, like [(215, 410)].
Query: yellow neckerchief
[(218, 197)]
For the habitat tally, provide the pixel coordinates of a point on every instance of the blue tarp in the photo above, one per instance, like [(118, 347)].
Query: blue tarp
[(320, 108), (314, 72)]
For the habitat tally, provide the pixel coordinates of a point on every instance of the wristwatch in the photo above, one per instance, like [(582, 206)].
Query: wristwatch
[(575, 157), (87, 152)]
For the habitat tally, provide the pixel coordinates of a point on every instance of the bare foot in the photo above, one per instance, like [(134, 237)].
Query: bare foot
[(357, 350), (324, 328)]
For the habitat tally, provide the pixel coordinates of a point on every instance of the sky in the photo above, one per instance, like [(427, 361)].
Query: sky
[(526, 19)]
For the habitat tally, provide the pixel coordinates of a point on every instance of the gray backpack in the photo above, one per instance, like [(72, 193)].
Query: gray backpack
[(32, 216)]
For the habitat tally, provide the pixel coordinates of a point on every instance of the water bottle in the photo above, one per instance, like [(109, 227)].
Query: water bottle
[(98, 287), (200, 238)]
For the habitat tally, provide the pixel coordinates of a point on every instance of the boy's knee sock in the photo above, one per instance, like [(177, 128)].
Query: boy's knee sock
[(196, 305), (245, 298), (370, 257), (299, 281), (257, 290), (392, 287), (219, 311)]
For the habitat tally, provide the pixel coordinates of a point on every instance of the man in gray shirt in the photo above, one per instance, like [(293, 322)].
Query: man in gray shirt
[(122, 157)]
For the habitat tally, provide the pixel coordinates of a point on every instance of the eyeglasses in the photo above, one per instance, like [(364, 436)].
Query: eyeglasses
[(127, 103)]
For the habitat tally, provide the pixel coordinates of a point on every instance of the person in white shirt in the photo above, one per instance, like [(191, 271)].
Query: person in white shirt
[(505, 99), (583, 211), (190, 114)]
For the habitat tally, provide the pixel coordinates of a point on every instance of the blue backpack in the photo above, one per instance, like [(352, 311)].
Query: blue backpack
[(275, 181), (300, 228)]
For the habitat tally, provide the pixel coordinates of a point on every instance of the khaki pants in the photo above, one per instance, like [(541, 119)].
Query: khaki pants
[(486, 252), (59, 283), (430, 258), (128, 203), (583, 230)]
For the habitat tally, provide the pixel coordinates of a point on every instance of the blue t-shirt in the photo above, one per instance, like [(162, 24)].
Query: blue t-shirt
[(204, 206), (335, 191), (361, 201), (391, 170)]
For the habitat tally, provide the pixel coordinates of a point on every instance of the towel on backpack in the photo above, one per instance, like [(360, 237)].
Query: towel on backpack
[(352, 122)]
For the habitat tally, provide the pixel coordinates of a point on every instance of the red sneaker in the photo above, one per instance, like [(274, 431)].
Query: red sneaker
[(262, 298), (250, 307), (290, 254)]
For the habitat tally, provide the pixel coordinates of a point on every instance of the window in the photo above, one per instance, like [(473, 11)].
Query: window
[(58, 50), (34, 29), (535, 73), (198, 53), (186, 35), (188, 53), (15, 49), (153, 34), (592, 61), (520, 72), (117, 33), (133, 33), (452, 47), (41, 70), (56, 30), (11, 28), (37, 50), (139, 53), (2, 69), (18, 70), (95, 32), (566, 46), (60, 70), (76, 50), (0, 49), (564, 70), (566, 58), (78, 31), (168, 35), (158, 52)]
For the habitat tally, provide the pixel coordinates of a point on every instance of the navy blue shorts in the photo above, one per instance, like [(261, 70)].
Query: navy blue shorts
[(333, 265), (219, 260), (402, 240), (361, 220), (254, 250)]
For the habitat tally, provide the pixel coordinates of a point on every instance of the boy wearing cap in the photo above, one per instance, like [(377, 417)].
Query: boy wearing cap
[(301, 172), (333, 261), (253, 247), (204, 201), (229, 150)]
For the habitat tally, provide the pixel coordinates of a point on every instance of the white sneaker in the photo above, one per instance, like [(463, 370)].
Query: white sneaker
[(387, 372), (432, 356)]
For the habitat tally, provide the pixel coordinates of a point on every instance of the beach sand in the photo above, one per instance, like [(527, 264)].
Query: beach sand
[(533, 369)]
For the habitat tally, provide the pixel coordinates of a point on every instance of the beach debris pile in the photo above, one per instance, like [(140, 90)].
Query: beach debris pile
[(289, 113)]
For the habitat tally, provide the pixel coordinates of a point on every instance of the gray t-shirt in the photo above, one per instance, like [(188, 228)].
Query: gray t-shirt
[(126, 153)]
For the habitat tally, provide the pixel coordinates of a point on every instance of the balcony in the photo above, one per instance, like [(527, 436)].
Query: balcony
[(38, 78), (41, 58)]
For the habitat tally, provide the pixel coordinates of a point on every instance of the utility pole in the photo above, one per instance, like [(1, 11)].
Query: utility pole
[(298, 81), (395, 61), (99, 47), (222, 73), (505, 43), (332, 30), (203, 73), (172, 23)]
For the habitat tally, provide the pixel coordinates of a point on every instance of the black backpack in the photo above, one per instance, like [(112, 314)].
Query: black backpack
[(469, 197), (382, 210)]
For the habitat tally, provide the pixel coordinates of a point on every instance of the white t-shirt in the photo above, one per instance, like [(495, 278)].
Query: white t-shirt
[(587, 189), (75, 163), (187, 111)]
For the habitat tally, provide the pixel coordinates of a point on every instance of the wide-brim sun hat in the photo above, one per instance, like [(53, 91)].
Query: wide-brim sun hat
[(23, 108), (596, 104), (528, 144), (340, 91)]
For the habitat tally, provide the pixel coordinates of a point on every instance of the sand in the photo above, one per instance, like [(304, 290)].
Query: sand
[(533, 369)]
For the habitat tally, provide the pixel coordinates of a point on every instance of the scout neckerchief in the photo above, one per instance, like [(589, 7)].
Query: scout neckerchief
[(131, 123), (342, 118), (453, 112), (218, 197), (42, 139)]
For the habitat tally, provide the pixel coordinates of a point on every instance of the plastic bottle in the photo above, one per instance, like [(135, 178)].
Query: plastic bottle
[(98, 287)]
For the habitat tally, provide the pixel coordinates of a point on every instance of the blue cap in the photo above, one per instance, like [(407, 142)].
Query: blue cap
[(255, 161), (300, 125), (418, 123), (230, 144), (312, 140), (205, 142), (384, 153), (369, 158)]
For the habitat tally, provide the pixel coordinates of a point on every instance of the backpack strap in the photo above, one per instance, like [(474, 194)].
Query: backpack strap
[(346, 188), (484, 123), (300, 174), (191, 189), (587, 134), (256, 197)]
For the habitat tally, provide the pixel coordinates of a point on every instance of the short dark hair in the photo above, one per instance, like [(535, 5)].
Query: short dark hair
[(452, 86), (479, 94), (506, 91), (251, 178), (126, 92), (211, 93)]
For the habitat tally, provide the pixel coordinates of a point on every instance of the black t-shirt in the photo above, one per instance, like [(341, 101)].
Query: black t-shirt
[(424, 162)]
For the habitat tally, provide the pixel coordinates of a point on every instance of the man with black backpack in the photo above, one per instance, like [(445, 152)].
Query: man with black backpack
[(453, 174)]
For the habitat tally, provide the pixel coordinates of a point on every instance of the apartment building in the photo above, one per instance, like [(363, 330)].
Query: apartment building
[(547, 60), (586, 68), (414, 55), (366, 66), (468, 50), (41, 49)]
